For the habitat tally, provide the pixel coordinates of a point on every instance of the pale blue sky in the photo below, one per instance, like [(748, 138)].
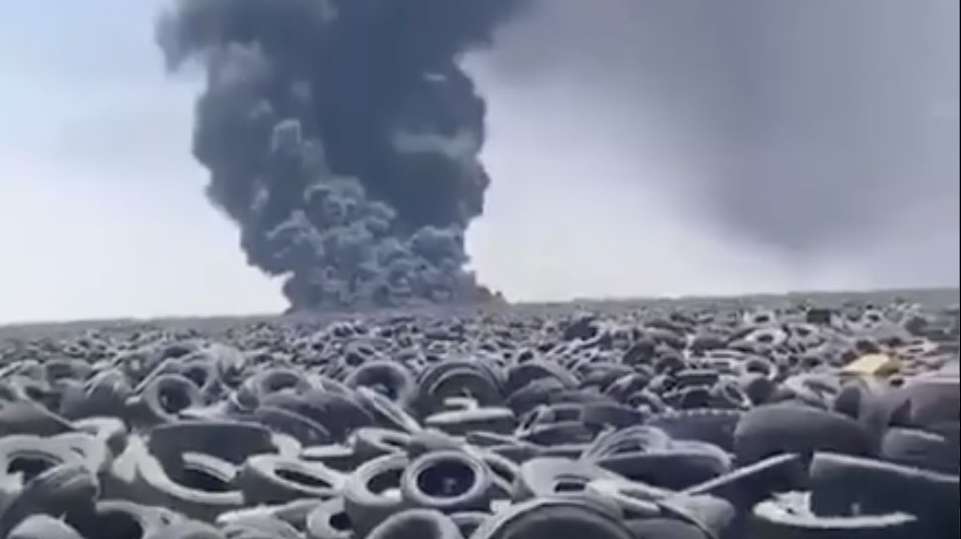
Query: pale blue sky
[(102, 212)]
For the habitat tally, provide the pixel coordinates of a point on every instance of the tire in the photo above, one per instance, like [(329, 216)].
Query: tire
[(681, 465), (525, 373), (94, 451), (260, 527), (336, 457), (536, 393), (205, 375), (294, 513), (788, 517), (600, 415), (386, 412), (417, 524), (372, 442), (663, 528), (372, 492), (920, 449), (555, 477), (43, 527), (266, 479), (158, 488), (28, 417), (635, 500), (447, 481), (468, 521), (187, 529), (547, 518), (330, 521), (750, 484), (703, 424), (162, 399), (272, 380), (301, 428), (119, 518), (793, 428), (398, 381), (338, 413), (230, 440), (104, 394), (461, 422), (111, 430), (461, 381), (839, 482), (66, 489)]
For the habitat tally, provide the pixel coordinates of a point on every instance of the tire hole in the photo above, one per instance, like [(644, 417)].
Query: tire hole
[(199, 479), (570, 485), (341, 522), (302, 478), (173, 401), (386, 480), (448, 478), (30, 467)]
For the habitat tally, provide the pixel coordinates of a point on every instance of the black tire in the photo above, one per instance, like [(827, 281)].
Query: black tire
[(270, 381), (600, 415), (664, 528), (416, 524), (460, 422), (703, 424), (336, 457), (111, 430), (23, 457), (371, 442), (468, 521), (339, 413), (750, 484), (259, 527), (447, 481), (521, 375), (120, 518), (43, 527), (330, 521), (205, 375), (294, 513), (788, 517), (266, 479), (66, 489), (162, 399), (230, 440), (28, 417), (841, 482), (203, 501), (635, 500), (681, 465), (386, 412), (372, 492), (188, 529), (793, 428), (94, 451), (554, 476), (293, 424), (546, 518), (921, 449), (395, 378), (104, 394)]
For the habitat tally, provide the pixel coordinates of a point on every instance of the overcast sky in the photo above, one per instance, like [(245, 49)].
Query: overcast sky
[(636, 147)]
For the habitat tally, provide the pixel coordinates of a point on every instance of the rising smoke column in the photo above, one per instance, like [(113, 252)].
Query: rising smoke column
[(343, 137)]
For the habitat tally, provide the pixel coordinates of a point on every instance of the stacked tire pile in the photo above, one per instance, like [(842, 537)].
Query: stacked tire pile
[(710, 423)]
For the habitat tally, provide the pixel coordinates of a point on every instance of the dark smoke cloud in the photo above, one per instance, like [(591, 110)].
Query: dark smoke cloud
[(812, 122), (342, 136)]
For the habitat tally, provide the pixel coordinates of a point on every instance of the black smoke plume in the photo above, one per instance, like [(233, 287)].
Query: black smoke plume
[(343, 137)]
